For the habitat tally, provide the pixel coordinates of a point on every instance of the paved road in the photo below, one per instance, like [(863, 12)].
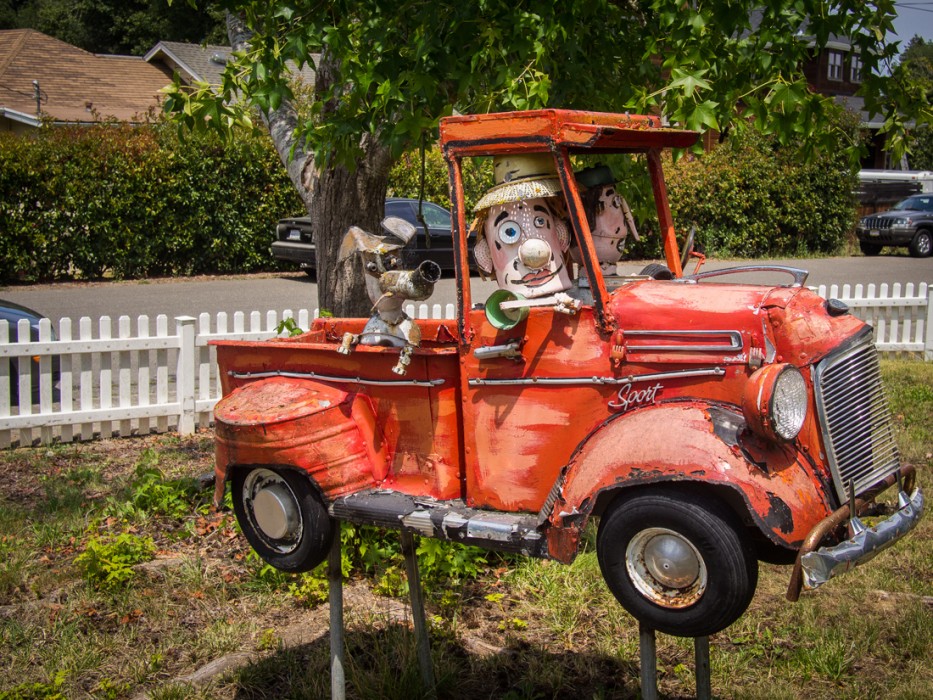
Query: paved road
[(176, 297)]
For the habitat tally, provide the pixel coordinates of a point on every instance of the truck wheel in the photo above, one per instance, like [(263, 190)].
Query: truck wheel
[(283, 517), (869, 249), (680, 563), (922, 244)]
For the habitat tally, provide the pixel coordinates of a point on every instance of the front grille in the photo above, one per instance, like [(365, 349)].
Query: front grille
[(876, 222), (857, 428)]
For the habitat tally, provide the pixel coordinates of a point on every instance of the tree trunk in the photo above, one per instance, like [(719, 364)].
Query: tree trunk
[(341, 199), (335, 197)]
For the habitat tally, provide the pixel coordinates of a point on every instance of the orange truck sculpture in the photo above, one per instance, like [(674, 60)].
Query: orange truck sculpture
[(707, 424)]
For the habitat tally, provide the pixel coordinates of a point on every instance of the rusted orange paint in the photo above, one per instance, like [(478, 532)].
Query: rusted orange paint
[(619, 456)]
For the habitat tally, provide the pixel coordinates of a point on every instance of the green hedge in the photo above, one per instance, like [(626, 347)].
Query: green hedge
[(136, 202), (405, 178), (751, 198), (133, 202)]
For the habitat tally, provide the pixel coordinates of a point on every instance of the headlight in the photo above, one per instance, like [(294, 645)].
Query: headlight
[(775, 402)]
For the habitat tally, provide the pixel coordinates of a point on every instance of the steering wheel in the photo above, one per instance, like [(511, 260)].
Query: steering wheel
[(688, 246)]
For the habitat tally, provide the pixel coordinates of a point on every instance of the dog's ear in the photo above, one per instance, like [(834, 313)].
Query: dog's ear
[(353, 242)]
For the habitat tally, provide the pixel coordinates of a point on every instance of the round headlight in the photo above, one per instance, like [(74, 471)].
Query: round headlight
[(775, 402), (789, 403)]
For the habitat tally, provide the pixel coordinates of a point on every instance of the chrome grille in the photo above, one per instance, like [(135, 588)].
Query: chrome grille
[(876, 222), (857, 428)]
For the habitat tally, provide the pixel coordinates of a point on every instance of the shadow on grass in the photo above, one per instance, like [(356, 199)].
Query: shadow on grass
[(382, 663)]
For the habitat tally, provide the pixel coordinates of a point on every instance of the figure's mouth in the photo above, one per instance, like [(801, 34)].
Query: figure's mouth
[(538, 277)]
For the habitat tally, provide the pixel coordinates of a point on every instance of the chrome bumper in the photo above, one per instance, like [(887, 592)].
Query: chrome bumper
[(822, 564)]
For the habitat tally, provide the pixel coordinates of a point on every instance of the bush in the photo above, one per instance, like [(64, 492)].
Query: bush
[(136, 202), (751, 197)]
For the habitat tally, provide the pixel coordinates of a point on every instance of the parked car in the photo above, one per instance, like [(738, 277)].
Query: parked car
[(909, 223), (13, 313), (294, 239)]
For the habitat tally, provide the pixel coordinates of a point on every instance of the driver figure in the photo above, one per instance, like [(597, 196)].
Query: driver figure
[(523, 232)]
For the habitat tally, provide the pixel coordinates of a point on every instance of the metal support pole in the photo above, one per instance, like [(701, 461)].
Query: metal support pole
[(648, 659), (417, 614), (338, 685), (701, 669)]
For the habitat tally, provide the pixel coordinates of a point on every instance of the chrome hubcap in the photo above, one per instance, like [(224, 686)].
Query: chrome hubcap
[(273, 508), (924, 244), (666, 568)]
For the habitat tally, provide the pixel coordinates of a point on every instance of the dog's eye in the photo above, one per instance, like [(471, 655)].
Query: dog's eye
[(509, 232), (371, 266), (392, 264)]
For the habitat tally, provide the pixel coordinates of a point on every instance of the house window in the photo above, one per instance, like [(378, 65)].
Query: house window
[(855, 74), (835, 65)]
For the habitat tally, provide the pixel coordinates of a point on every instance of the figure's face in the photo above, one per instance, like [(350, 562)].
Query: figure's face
[(526, 241), (610, 230)]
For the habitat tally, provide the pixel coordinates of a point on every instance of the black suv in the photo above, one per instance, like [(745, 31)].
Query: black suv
[(294, 240), (909, 223)]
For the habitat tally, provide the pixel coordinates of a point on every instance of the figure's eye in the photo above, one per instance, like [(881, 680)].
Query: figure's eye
[(540, 222), (509, 232), (620, 246), (371, 266)]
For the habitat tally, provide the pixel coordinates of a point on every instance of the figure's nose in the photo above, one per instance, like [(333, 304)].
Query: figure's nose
[(534, 253)]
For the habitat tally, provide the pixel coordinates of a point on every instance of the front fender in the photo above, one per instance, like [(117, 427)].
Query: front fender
[(688, 442)]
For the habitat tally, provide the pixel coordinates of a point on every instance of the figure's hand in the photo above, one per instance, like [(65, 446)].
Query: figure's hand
[(565, 304)]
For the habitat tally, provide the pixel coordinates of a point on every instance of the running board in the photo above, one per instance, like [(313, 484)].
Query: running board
[(445, 520)]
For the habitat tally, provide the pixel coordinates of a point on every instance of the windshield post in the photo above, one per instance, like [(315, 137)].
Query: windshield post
[(581, 230), (665, 220), (461, 256)]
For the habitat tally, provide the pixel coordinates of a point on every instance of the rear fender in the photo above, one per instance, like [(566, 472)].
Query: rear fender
[(315, 427), (687, 442)]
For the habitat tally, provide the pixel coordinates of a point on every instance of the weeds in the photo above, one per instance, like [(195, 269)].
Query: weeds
[(107, 562)]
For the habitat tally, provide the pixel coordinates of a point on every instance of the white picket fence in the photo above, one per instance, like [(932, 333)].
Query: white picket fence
[(902, 320), (126, 381)]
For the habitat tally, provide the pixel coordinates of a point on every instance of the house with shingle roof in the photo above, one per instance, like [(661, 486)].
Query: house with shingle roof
[(192, 62), (42, 78)]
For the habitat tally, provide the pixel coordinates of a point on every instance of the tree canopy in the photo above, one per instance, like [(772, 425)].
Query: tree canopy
[(114, 26), (388, 70), (403, 64), (917, 60)]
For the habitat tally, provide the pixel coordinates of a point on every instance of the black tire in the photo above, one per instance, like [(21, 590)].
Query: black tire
[(291, 530), (705, 591), (869, 249), (657, 271), (922, 244)]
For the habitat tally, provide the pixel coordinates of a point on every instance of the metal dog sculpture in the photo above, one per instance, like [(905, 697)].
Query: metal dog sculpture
[(389, 289)]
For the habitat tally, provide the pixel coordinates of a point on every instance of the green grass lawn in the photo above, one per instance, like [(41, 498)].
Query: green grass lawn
[(117, 580)]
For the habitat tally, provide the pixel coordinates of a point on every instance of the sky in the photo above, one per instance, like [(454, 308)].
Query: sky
[(914, 17)]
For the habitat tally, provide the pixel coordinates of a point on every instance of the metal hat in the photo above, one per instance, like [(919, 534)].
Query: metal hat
[(598, 174), (521, 177)]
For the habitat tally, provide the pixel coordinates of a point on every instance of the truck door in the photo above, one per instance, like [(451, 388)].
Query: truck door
[(530, 397)]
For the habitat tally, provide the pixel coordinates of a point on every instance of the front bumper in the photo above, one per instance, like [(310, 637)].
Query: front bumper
[(288, 251), (895, 235), (817, 565)]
